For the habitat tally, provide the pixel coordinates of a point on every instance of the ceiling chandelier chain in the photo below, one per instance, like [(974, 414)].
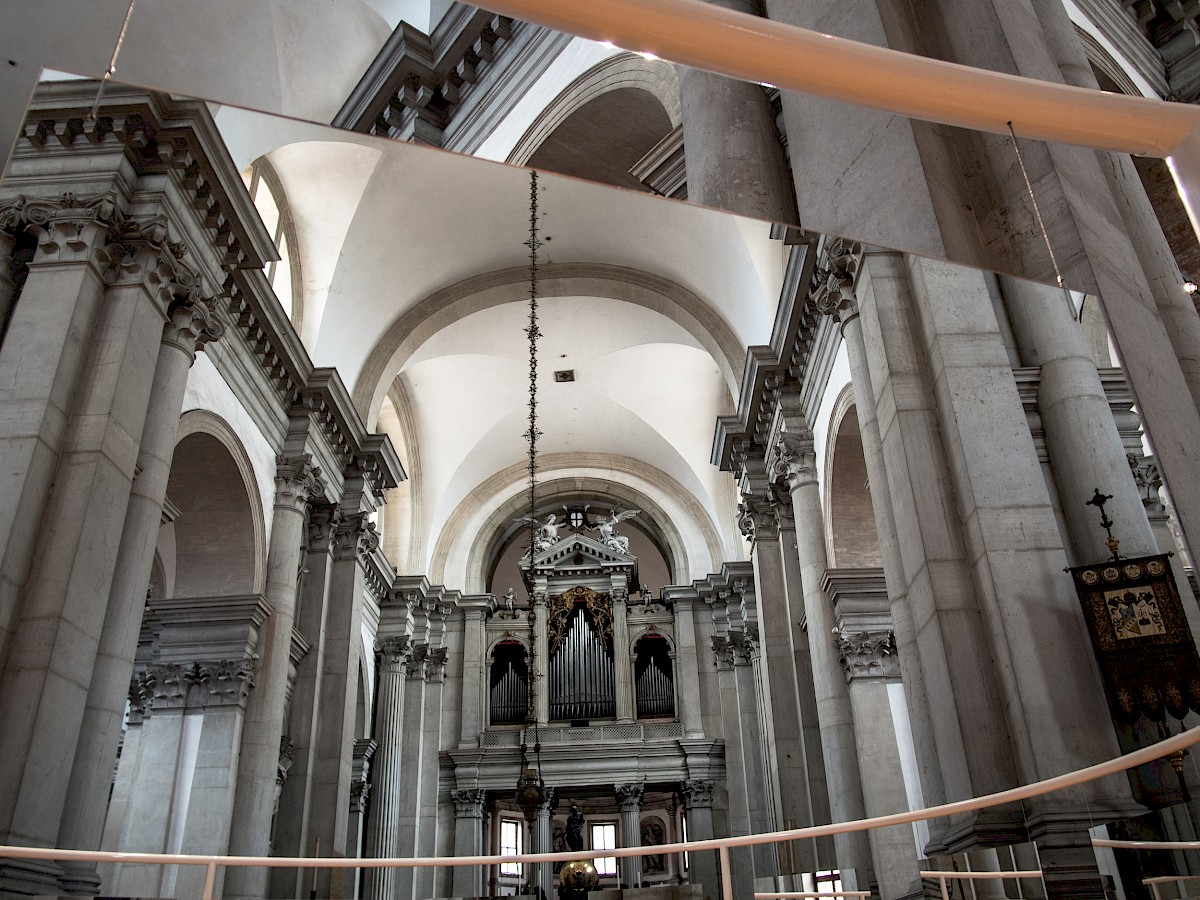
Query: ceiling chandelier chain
[(112, 63), (1037, 214), (531, 789)]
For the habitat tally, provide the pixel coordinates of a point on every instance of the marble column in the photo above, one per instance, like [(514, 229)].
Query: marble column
[(193, 323), (41, 360), (629, 802), (543, 842), (353, 538), (383, 836), (797, 462), (408, 814), (622, 664), (297, 481), (360, 804), (291, 836), (430, 816), (474, 691), (704, 867), (52, 650), (467, 881), (686, 663), (734, 159), (8, 288), (810, 855), (866, 649)]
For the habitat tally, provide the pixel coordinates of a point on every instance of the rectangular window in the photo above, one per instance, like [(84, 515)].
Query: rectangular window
[(604, 837), (512, 833)]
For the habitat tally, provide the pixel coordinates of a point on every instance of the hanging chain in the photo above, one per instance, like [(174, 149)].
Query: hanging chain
[(112, 63), (532, 332), (1037, 214)]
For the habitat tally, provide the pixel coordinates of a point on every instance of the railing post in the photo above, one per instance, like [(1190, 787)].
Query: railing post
[(942, 885), (726, 877), (210, 879)]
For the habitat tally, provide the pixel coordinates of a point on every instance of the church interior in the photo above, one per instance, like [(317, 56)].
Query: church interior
[(427, 434)]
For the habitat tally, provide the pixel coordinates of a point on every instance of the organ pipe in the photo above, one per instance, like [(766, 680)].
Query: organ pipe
[(654, 683), (582, 679)]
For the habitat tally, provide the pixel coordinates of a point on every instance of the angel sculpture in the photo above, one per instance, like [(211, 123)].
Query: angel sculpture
[(607, 529), (547, 532)]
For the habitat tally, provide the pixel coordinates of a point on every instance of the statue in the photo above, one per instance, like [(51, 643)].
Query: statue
[(607, 528), (508, 603), (575, 829), (547, 532)]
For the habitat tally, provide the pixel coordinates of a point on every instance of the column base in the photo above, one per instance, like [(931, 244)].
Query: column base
[(30, 877), (995, 827), (79, 878)]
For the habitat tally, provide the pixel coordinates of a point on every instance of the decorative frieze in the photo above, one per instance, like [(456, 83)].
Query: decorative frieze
[(161, 687), (866, 654)]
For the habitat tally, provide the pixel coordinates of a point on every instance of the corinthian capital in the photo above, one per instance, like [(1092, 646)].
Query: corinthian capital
[(68, 229), (140, 253), (355, 535), (756, 517), (832, 288), (393, 653), (193, 320), (297, 480), (795, 459), (868, 654)]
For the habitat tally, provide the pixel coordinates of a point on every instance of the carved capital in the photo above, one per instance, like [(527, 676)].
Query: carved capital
[(227, 683), (393, 653), (414, 664), (354, 536), (756, 517), (201, 685), (435, 665), (629, 797), (68, 229), (868, 654), (724, 652), (1149, 480), (697, 793), (795, 459), (323, 517), (141, 253), (193, 320), (297, 481), (832, 289), (287, 755), (468, 804)]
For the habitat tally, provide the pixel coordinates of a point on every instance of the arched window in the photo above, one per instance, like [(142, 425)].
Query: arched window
[(509, 685), (267, 193), (653, 677)]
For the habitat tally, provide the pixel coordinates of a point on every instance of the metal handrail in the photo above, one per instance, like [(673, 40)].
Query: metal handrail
[(721, 845)]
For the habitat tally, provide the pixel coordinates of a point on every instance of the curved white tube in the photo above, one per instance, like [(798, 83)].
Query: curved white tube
[(710, 37)]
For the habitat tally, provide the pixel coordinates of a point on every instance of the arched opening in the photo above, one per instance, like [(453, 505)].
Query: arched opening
[(855, 543), (214, 530), (653, 678), (605, 138), (508, 685)]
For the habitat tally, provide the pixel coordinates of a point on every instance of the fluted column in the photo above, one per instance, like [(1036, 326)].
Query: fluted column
[(798, 464), (629, 801), (543, 842), (467, 881), (193, 323), (703, 867), (623, 666), (383, 839), (297, 481)]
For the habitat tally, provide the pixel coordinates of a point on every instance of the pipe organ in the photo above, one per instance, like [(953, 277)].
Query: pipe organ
[(654, 682), (582, 680)]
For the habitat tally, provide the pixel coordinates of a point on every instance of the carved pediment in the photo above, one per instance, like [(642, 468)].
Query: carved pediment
[(580, 551)]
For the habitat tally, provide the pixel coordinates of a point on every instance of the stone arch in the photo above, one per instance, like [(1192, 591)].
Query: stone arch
[(623, 71), (645, 632), (220, 532), (599, 476), (502, 638), (427, 317), (851, 536)]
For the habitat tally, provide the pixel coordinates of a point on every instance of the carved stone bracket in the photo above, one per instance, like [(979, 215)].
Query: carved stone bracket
[(697, 793), (629, 797), (866, 654), (468, 804)]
